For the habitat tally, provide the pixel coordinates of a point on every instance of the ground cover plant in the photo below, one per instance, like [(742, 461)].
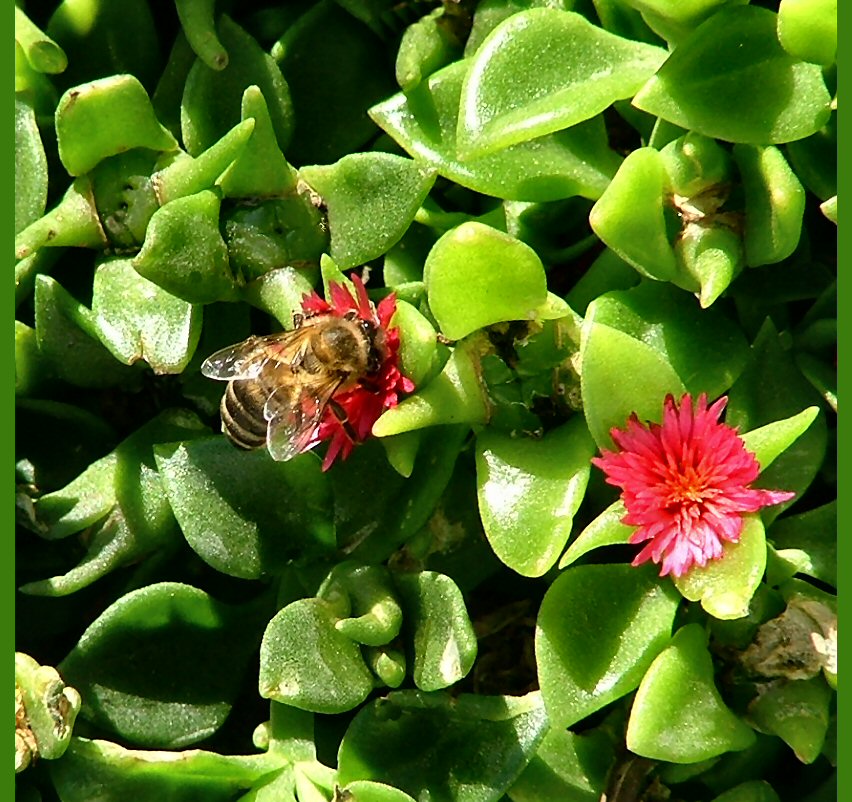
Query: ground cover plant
[(524, 313)]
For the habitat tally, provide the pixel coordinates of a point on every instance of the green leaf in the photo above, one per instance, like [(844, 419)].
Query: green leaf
[(774, 204), (436, 620), (726, 585), (68, 337), (813, 534), (221, 499), (418, 345), (162, 643), (621, 375), (305, 661), (544, 70), (797, 711), (582, 668), (72, 222), (371, 200), (106, 117), (732, 80), (771, 389), (770, 441), (111, 773), (104, 38), (704, 346), (752, 791), (42, 52), (212, 98), (336, 69), (374, 518), (426, 46), (139, 320), (30, 166), (678, 715), (468, 748), (261, 169), (50, 708), (368, 791), (374, 617), (455, 395), (807, 29), (198, 23), (576, 161), (123, 495), (629, 216), (184, 253), (566, 766), (529, 491), (605, 530), (476, 275)]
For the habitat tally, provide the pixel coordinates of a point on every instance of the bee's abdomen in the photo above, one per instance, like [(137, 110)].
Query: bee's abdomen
[(242, 414)]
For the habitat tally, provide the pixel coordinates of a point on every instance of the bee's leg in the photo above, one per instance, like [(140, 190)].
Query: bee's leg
[(340, 413), (298, 320)]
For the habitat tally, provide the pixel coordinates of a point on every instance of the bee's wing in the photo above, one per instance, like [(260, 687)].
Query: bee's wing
[(294, 413), (246, 359)]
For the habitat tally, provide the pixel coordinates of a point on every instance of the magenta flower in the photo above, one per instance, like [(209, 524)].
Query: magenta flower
[(685, 484)]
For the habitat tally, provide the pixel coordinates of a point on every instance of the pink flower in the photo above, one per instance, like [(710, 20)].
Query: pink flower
[(375, 392), (685, 484)]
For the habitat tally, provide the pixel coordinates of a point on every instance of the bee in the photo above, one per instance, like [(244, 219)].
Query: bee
[(280, 385)]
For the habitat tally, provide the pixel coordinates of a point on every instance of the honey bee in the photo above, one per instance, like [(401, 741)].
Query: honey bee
[(280, 385)]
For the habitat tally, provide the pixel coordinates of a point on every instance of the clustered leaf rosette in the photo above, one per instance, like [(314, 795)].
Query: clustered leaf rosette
[(685, 483), (374, 393)]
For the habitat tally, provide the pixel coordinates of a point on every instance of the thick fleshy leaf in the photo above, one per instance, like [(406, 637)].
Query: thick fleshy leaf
[(436, 620), (261, 169), (306, 662), (212, 98), (529, 491), (544, 70), (674, 21), (467, 747), (629, 216), (139, 320), (770, 441), (111, 773), (476, 275), (30, 166), (121, 497), (732, 80), (605, 530), (678, 715), (774, 204), (199, 25), (752, 791), (621, 375), (418, 350), (68, 337), (771, 389), (184, 253), (371, 200), (221, 500), (105, 117), (576, 161), (703, 346), (813, 534), (336, 68), (374, 518), (49, 708), (796, 711), (566, 766), (582, 668), (807, 29), (161, 643), (455, 395), (725, 586), (368, 791), (104, 38)]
